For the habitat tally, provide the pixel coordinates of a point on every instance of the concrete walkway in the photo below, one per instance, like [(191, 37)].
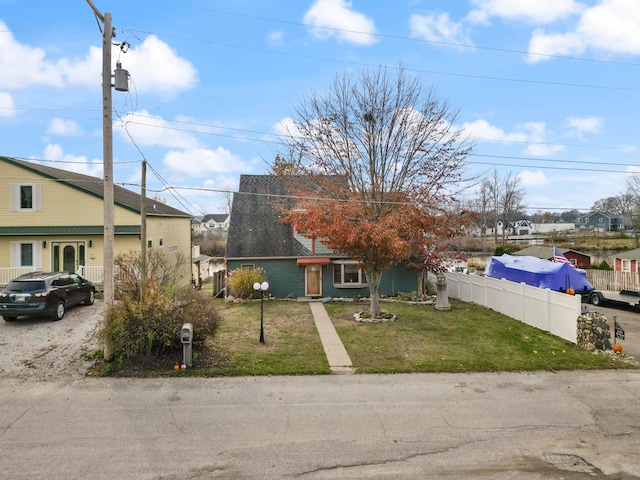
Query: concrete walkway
[(339, 361)]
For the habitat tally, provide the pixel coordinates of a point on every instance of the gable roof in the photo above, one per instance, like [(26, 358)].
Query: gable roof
[(255, 227), (629, 255), (95, 186), (216, 217)]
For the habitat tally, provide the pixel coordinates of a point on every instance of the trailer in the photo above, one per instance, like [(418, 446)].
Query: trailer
[(623, 297)]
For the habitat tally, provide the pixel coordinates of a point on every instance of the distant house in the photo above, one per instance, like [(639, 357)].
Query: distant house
[(218, 221), (577, 259), (295, 266), (525, 227), (197, 227), (627, 262), (53, 220), (604, 222)]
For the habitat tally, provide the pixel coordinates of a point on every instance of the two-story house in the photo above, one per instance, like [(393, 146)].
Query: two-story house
[(53, 220), (604, 222)]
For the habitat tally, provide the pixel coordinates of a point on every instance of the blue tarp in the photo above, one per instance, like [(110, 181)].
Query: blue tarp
[(538, 272)]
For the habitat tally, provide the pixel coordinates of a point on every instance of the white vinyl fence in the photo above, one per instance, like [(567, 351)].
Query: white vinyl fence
[(553, 312)]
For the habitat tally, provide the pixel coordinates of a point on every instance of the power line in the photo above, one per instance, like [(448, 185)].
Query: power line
[(421, 40), (415, 70)]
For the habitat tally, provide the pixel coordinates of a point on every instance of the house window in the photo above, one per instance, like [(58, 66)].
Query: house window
[(26, 254), (626, 265), (161, 242), (347, 274), (149, 243), (26, 197), (248, 266)]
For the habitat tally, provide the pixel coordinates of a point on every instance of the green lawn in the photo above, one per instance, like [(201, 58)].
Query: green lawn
[(466, 338)]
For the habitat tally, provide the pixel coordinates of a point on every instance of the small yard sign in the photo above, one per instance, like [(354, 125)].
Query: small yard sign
[(618, 330)]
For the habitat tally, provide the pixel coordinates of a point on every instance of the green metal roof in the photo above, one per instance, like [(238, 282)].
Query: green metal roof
[(67, 230)]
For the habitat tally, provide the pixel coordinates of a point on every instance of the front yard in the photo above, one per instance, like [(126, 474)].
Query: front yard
[(466, 338)]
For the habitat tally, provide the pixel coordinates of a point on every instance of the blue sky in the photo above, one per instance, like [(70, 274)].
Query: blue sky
[(549, 89)]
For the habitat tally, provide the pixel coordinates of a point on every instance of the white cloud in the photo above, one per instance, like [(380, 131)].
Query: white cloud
[(536, 11), (200, 162), (542, 149), (6, 105), (286, 127), (437, 28), (580, 125), (534, 132), (153, 66), (334, 18), (275, 37), (611, 27), (483, 130), (73, 163), (148, 130), (530, 179), (27, 64), (64, 128)]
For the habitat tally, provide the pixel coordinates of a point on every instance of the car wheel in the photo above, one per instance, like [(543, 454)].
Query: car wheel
[(60, 311), (9, 318), (595, 299), (90, 298)]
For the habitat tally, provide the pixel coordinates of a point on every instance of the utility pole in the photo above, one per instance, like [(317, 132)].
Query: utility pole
[(143, 233), (107, 146)]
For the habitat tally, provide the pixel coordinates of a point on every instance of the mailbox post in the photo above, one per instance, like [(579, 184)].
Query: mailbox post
[(186, 337)]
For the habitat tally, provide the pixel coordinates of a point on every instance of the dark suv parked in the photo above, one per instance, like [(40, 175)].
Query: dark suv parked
[(39, 294)]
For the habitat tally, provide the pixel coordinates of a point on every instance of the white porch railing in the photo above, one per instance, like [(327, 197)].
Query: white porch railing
[(94, 274), (8, 274)]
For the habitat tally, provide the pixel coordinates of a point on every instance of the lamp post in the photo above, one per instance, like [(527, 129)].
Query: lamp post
[(261, 287)]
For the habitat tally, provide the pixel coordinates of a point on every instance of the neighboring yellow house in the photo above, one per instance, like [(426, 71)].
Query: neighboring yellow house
[(53, 220)]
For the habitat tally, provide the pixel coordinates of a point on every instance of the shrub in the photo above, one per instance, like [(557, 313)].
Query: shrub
[(162, 270), (500, 249), (476, 263), (604, 266), (241, 281), (136, 328)]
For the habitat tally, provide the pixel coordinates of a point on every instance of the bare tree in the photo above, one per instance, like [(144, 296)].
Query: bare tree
[(505, 199), (512, 202), (227, 197), (399, 157)]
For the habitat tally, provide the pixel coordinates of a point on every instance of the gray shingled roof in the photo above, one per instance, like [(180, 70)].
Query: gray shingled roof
[(95, 186), (216, 217), (255, 229)]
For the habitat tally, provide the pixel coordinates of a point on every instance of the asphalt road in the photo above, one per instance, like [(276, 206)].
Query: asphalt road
[(566, 425)]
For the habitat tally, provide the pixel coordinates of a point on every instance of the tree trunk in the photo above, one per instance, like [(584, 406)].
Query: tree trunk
[(373, 279)]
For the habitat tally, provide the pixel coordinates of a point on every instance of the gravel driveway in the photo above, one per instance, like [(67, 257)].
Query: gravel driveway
[(40, 349)]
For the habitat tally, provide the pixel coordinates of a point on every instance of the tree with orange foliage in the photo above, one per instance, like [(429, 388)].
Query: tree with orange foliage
[(382, 162)]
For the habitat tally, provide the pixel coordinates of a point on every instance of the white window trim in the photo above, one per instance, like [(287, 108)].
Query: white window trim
[(16, 256), (15, 197), (361, 278), (626, 265)]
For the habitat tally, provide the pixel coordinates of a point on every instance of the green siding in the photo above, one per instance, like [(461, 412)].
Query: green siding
[(286, 279)]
